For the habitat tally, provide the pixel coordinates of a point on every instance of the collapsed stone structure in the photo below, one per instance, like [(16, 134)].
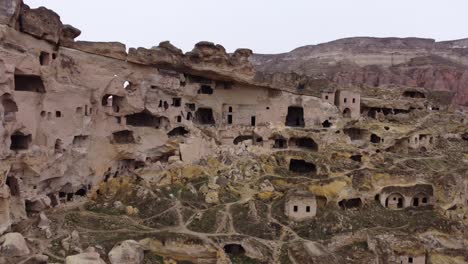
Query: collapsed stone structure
[(84, 120)]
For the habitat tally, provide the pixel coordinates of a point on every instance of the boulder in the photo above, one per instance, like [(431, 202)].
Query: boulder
[(42, 23), (69, 33), (127, 252), (90, 256), (9, 11), (13, 245)]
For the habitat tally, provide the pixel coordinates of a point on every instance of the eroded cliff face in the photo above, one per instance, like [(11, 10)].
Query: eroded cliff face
[(156, 156), (379, 62)]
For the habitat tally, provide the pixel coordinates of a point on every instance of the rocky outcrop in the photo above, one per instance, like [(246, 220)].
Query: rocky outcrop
[(90, 256), (114, 50), (127, 252), (9, 12), (42, 23), (13, 245)]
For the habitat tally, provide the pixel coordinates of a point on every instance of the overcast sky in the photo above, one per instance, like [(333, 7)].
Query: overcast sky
[(265, 26)]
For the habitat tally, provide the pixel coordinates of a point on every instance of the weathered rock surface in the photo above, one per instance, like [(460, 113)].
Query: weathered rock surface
[(88, 257), (13, 245), (127, 252), (42, 23), (353, 151)]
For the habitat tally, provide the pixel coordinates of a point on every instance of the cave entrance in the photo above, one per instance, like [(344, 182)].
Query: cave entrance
[(205, 89), (280, 143), (295, 117), (13, 184), (234, 249), (143, 119), (9, 107), (178, 131), (20, 141), (375, 139), (301, 166), (326, 124), (29, 83), (347, 113), (304, 142), (351, 203), (123, 137), (204, 116), (414, 94)]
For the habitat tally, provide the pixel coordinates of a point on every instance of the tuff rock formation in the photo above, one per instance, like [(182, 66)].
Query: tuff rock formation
[(353, 151)]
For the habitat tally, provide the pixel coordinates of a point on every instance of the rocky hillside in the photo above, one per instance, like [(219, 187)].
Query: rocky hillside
[(159, 156), (379, 62)]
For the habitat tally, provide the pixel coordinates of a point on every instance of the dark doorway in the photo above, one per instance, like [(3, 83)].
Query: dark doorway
[(301, 166), (295, 117), (20, 141), (347, 113), (13, 184), (326, 124), (143, 119), (178, 131), (240, 139), (356, 157), (351, 203), (204, 116), (280, 143), (252, 121), (229, 119), (234, 249), (304, 142), (29, 83), (123, 137), (205, 89), (375, 139)]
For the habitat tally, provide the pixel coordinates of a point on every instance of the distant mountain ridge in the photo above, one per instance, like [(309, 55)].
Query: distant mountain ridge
[(379, 62)]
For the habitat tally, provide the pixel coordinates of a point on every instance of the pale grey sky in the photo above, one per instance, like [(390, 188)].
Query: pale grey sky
[(265, 26)]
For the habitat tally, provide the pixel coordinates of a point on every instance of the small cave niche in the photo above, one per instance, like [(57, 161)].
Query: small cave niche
[(205, 89), (29, 83), (12, 183), (58, 114), (54, 202), (295, 117), (301, 166), (240, 139), (123, 137), (234, 249), (414, 94), (375, 139), (204, 116), (44, 58), (347, 112), (80, 141), (178, 131), (9, 108), (58, 147), (176, 102), (143, 119), (350, 203), (81, 192), (280, 143), (20, 141), (326, 124), (357, 157), (304, 142), (113, 101)]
